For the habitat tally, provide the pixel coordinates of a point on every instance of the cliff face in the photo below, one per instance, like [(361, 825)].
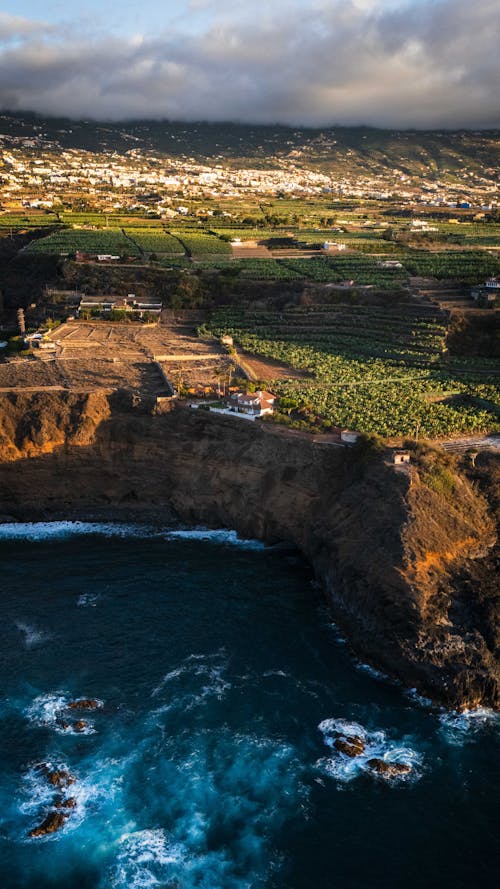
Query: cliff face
[(393, 554)]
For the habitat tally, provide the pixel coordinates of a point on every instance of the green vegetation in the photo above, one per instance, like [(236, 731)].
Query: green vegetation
[(154, 240), (202, 244), (369, 368), (366, 353), (68, 241), (17, 222)]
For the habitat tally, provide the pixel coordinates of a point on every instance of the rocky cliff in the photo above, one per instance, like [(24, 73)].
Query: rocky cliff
[(395, 551)]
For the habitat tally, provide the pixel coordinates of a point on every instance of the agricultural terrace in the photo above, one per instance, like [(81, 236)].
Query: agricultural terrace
[(363, 268), (67, 241), (154, 240), (199, 244), (16, 223), (103, 354), (374, 369)]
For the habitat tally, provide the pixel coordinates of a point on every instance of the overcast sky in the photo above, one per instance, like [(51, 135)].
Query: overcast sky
[(396, 63)]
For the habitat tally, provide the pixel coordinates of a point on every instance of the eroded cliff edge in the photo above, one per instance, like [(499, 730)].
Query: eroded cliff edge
[(407, 562)]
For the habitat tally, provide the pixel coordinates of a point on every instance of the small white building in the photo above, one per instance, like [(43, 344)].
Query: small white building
[(400, 457), (348, 436), (256, 404), (333, 247), (389, 264)]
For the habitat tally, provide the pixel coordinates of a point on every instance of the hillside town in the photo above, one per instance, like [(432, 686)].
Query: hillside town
[(40, 172)]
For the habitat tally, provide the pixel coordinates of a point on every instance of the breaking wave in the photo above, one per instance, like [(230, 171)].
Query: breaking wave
[(32, 636), (377, 745), (227, 796), (460, 727), (41, 531), (146, 859), (88, 600), (220, 536), (52, 710)]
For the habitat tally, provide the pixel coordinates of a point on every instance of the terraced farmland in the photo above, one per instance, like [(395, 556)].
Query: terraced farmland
[(15, 222), (202, 244), (360, 269), (155, 240), (68, 241), (372, 369)]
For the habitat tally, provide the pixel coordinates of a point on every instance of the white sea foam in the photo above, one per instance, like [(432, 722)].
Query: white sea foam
[(52, 711), (419, 699), (221, 536), (88, 600), (218, 783), (378, 745), (46, 709), (36, 792), (146, 858), (338, 637), (178, 684), (32, 636), (40, 531), (38, 797), (89, 792), (459, 727), (279, 673), (373, 672)]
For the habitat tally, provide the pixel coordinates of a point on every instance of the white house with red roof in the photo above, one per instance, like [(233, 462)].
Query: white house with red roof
[(254, 404)]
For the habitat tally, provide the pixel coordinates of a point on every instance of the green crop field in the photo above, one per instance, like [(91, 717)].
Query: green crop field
[(200, 244), (16, 222), (371, 369), (359, 268), (155, 240), (68, 241)]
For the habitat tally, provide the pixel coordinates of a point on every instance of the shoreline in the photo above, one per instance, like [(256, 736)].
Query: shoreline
[(394, 556)]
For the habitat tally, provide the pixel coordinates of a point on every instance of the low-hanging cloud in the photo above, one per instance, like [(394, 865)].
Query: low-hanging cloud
[(425, 63)]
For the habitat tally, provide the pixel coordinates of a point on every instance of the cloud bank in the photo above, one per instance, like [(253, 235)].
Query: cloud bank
[(425, 63)]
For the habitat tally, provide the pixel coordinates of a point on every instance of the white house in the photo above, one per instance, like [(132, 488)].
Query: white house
[(255, 404), (333, 246)]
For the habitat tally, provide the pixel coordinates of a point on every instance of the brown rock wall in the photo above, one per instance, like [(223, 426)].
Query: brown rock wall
[(386, 547)]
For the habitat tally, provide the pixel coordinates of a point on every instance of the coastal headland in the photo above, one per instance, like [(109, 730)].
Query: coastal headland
[(407, 557)]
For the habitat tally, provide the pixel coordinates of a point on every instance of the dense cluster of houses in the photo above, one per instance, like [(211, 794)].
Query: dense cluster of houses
[(41, 173)]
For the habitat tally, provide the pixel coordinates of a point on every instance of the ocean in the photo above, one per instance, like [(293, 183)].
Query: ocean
[(217, 683)]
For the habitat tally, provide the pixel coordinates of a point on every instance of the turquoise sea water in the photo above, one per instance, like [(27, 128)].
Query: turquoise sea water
[(209, 761)]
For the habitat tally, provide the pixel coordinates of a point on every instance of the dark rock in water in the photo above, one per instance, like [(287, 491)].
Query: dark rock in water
[(389, 769), (61, 803), (84, 704), (78, 726), (53, 822), (351, 745), (57, 777)]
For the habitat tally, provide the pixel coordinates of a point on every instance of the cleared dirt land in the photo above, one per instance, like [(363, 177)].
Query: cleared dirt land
[(267, 369), (100, 354), (91, 355)]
